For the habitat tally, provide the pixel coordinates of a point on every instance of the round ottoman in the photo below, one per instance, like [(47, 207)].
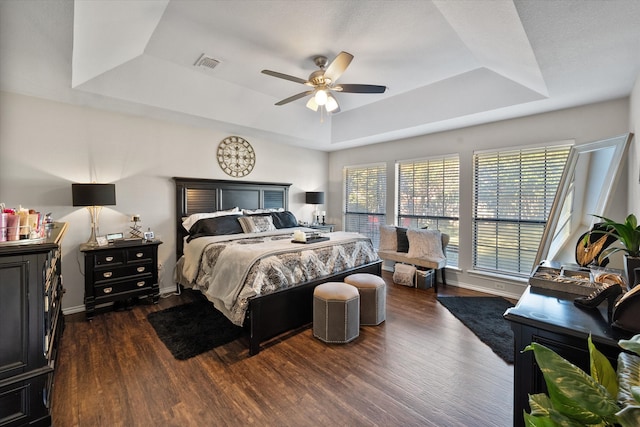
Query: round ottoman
[(336, 312), (373, 297)]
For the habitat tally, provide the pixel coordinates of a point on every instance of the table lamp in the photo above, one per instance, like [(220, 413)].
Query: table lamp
[(315, 198), (94, 197)]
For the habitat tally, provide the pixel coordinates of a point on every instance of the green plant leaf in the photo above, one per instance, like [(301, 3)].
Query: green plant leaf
[(632, 344), (635, 392), (573, 393), (543, 414), (628, 233), (601, 369), (540, 404)]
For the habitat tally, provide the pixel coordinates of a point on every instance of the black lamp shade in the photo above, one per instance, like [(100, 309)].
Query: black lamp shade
[(93, 194), (314, 197)]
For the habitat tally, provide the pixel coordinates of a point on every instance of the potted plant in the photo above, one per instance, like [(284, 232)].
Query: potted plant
[(628, 234), (604, 398)]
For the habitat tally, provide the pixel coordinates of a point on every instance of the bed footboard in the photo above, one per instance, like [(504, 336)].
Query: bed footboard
[(273, 314)]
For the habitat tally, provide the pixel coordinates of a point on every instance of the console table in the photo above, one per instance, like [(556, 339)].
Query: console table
[(551, 319)]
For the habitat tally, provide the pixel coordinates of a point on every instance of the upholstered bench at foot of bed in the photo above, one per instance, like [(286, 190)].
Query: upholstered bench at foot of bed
[(336, 312), (373, 297)]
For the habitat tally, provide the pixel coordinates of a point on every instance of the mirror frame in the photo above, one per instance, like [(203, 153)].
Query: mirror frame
[(620, 144)]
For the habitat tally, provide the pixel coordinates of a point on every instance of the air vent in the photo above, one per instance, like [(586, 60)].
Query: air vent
[(206, 62)]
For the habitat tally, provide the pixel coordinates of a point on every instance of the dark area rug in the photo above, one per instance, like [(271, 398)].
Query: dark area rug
[(193, 328), (483, 315)]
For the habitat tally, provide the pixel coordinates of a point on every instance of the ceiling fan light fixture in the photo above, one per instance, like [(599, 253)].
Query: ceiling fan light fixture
[(311, 104), (332, 104), (321, 97)]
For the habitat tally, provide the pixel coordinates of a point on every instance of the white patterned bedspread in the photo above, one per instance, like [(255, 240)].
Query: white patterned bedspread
[(229, 270)]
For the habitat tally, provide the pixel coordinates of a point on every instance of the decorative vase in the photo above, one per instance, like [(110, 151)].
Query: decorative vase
[(631, 264)]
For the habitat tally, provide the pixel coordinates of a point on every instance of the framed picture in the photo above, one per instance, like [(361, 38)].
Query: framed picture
[(102, 240), (148, 235), (115, 236)]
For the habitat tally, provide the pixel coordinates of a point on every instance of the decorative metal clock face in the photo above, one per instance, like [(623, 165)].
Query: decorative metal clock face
[(236, 156)]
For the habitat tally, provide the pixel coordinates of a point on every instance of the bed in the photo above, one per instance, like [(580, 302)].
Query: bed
[(265, 315)]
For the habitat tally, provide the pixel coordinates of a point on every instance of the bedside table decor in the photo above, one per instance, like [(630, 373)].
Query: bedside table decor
[(93, 197), (120, 273), (315, 198), (135, 230)]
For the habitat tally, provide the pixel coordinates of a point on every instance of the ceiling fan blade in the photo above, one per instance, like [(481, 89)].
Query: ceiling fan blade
[(284, 76), (350, 88), (294, 97), (337, 66)]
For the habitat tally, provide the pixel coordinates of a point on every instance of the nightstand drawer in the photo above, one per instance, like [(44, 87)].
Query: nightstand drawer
[(139, 254), (109, 258), (115, 288), (118, 272)]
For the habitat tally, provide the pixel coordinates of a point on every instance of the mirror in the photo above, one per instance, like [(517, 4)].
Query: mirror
[(585, 189)]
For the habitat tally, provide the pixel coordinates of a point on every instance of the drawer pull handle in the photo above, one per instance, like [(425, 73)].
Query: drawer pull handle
[(140, 284), (107, 274), (141, 269), (107, 290), (139, 254), (109, 258)]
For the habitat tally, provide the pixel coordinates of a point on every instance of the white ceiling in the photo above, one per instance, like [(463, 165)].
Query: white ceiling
[(447, 64)]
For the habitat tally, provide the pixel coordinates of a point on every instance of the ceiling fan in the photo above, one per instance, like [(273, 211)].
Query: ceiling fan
[(323, 82)]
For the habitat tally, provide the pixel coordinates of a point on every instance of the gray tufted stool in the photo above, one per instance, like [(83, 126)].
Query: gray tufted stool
[(336, 312), (373, 297)]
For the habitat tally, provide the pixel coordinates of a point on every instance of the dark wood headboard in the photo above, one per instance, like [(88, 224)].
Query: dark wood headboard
[(196, 195)]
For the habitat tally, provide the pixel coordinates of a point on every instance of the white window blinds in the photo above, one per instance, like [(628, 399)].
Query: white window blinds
[(366, 199), (429, 196), (513, 194)]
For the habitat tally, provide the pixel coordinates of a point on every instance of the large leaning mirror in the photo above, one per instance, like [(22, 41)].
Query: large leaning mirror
[(589, 178)]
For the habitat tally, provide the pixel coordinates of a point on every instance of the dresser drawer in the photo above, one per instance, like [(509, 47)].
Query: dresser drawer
[(124, 286), (118, 272), (115, 257), (139, 254)]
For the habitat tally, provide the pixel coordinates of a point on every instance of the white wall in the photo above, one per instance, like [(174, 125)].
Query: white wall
[(45, 146), (584, 124), (633, 195)]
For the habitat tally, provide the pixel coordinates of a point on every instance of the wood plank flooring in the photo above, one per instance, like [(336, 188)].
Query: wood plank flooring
[(421, 367)]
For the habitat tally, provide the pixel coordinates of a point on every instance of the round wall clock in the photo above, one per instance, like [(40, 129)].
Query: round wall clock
[(236, 156)]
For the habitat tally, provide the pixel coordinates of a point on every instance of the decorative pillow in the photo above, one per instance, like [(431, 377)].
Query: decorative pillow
[(403, 242), (256, 223), (261, 211), (188, 222), (425, 243), (388, 239), (284, 219), (216, 226)]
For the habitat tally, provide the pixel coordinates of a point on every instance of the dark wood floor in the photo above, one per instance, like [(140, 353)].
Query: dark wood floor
[(421, 367)]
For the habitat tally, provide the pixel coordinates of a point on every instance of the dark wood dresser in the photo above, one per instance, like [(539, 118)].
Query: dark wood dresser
[(118, 272), (31, 324), (551, 319)]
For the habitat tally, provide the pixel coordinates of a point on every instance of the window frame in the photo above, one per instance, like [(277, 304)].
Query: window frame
[(521, 234), (367, 226), (444, 167)]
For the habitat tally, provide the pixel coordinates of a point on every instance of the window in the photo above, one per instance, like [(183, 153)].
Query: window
[(365, 200), (429, 196), (513, 194)]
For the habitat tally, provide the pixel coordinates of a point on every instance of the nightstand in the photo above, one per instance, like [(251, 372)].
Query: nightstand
[(323, 228), (120, 271)]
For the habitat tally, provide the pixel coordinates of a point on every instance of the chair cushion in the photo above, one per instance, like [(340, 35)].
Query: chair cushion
[(425, 244), (403, 241), (388, 238)]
